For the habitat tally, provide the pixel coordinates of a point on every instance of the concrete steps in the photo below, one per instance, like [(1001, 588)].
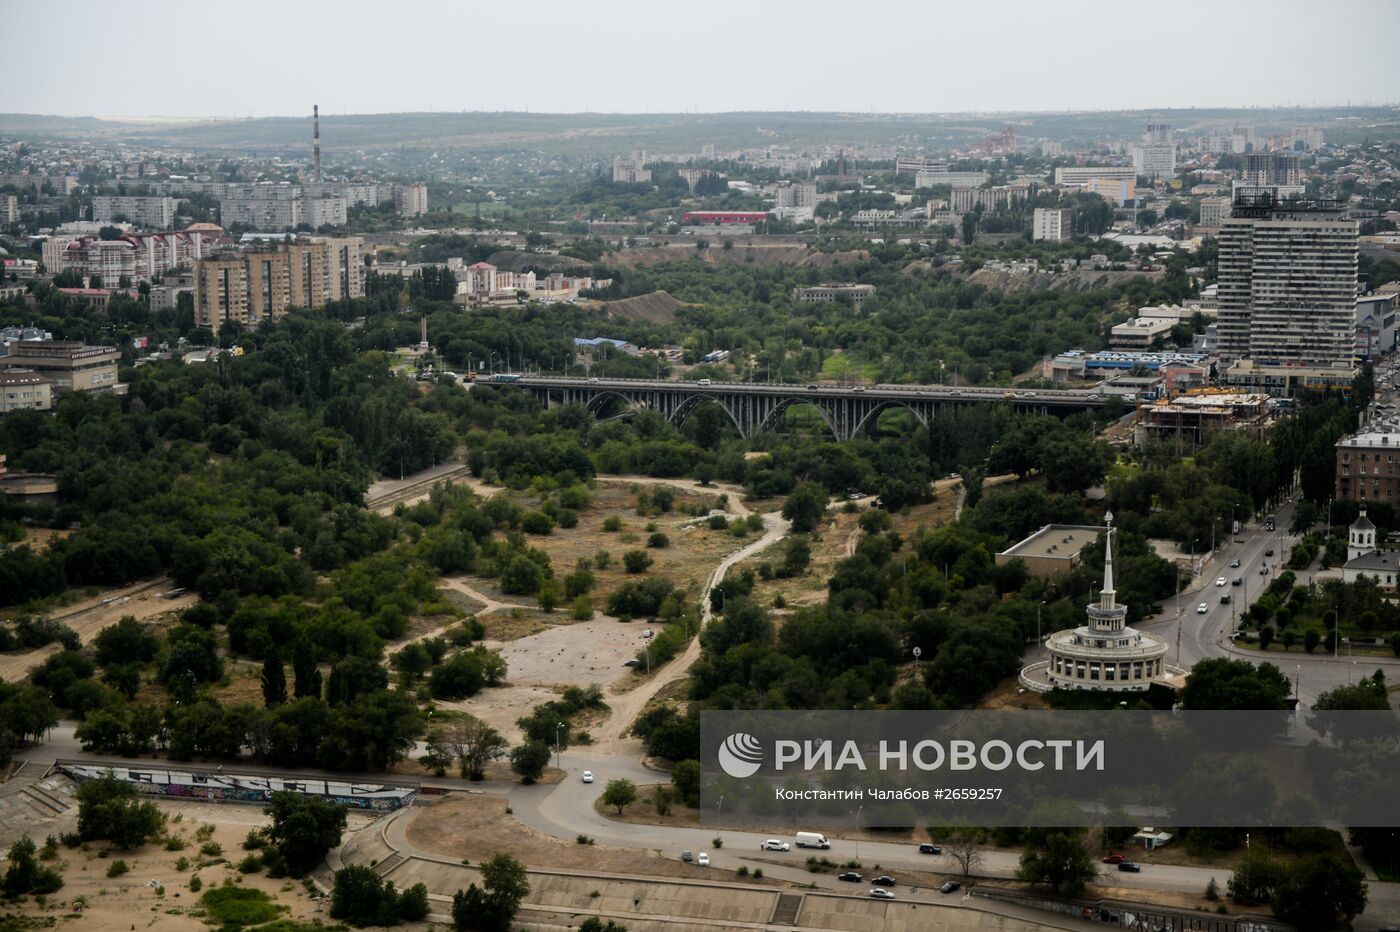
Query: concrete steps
[(786, 909), (388, 864)]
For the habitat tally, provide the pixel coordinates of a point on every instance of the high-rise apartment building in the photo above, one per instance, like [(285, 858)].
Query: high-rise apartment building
[(1271, 168), (252, 285), (154, 212), (1053, 224), (1287, 290), (410, 200)]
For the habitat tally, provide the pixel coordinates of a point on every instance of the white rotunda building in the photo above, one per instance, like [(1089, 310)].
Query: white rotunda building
[(1103, 653)]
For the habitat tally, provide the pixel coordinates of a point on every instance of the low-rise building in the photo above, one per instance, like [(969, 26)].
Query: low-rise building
[(1141, 332), (951, 179), (1192, 418), (1375, 326), (631, 169), (24, 390), (68, 365), (1054, 549), (1214, 210), (830, 292)]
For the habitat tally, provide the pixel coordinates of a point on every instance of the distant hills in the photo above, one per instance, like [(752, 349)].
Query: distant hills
[(605, 134)]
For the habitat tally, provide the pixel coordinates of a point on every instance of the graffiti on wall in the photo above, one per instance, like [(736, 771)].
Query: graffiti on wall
[(247, 788)]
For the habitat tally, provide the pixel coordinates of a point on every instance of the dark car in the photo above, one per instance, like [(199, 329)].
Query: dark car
[(884, 881), (1269, 552), (1225, 599), (1129, 867), (1235, 562), (1237, 581), (950, 886), (687, 856), (850, 876), (930, 849)]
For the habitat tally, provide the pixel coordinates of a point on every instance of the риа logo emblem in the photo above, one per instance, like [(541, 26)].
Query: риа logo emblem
[(740, 755)]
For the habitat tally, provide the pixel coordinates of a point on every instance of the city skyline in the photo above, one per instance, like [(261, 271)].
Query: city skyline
[(777, 57)]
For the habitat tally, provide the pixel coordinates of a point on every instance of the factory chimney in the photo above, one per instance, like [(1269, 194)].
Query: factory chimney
[(316, 138)]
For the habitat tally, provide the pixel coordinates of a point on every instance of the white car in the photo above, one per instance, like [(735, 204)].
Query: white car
[(1220, 580), (879, 893), (774, 844), (588, 776), (1202, 608), (702, 859)]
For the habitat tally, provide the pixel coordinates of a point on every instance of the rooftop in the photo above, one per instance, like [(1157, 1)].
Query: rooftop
[(1056, 541)]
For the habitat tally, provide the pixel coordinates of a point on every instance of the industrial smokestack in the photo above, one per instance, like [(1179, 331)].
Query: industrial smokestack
[(316, 138)]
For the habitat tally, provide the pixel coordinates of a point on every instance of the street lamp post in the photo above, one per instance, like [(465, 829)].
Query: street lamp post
[(558, 751), (858, 811), (918, 652)]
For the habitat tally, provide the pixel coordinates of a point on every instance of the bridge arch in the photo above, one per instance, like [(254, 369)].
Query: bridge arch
[(689, 403), (596, 403), (775, 416), (868, 419)]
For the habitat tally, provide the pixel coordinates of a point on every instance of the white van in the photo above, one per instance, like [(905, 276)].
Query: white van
[(812, 840), (703, 382)]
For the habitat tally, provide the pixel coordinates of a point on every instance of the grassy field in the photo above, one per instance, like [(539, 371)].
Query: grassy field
[(849, 366)]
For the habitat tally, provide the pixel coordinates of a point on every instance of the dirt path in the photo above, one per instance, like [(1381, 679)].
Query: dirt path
[(89, 617), (627, 706)]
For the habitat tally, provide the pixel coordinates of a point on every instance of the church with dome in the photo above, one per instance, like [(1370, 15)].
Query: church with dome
[(1104, 653)]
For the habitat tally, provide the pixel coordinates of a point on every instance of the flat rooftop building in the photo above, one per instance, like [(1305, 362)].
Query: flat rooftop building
[(69, 365), (1053, 549)]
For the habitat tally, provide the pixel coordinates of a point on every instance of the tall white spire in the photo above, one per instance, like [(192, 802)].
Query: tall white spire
[(1106, 596)]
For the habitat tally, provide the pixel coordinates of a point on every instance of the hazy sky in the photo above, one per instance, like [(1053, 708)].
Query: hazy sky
[(258, 58)]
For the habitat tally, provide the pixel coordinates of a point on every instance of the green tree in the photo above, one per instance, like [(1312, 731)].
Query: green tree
[(108, 809), (1255, 878), (492, 907), (529, 760), (1227, 685), (274, 682), (805, 507), (522, 577), (1058, 858), (636, 561), (127, 641), (1319, 891), (24, 874), (620, 793), (303, 829), (685, 777)]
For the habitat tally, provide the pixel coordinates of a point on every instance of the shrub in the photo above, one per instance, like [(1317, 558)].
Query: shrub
[(612, 523), (582, 608), (196, 884), (718, 522), (235, 907), (117, 868), (211, 849), (250, 864), (536, 522), (636, 561), (658, 540)]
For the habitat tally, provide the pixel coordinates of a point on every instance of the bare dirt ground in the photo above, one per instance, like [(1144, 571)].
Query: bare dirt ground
[(89, 616), (502, 707), (580, 654), (477, 827), (127, 901)]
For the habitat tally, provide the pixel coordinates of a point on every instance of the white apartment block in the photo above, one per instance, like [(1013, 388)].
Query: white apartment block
[(1214, 210), (1287, 283), (274, 210), (910, 165), (410, 200), (1155, 160), (797, 195), (1054, 224), (1081, 174), (154, 212), (9, 209), (59, 184), (951, 179)]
